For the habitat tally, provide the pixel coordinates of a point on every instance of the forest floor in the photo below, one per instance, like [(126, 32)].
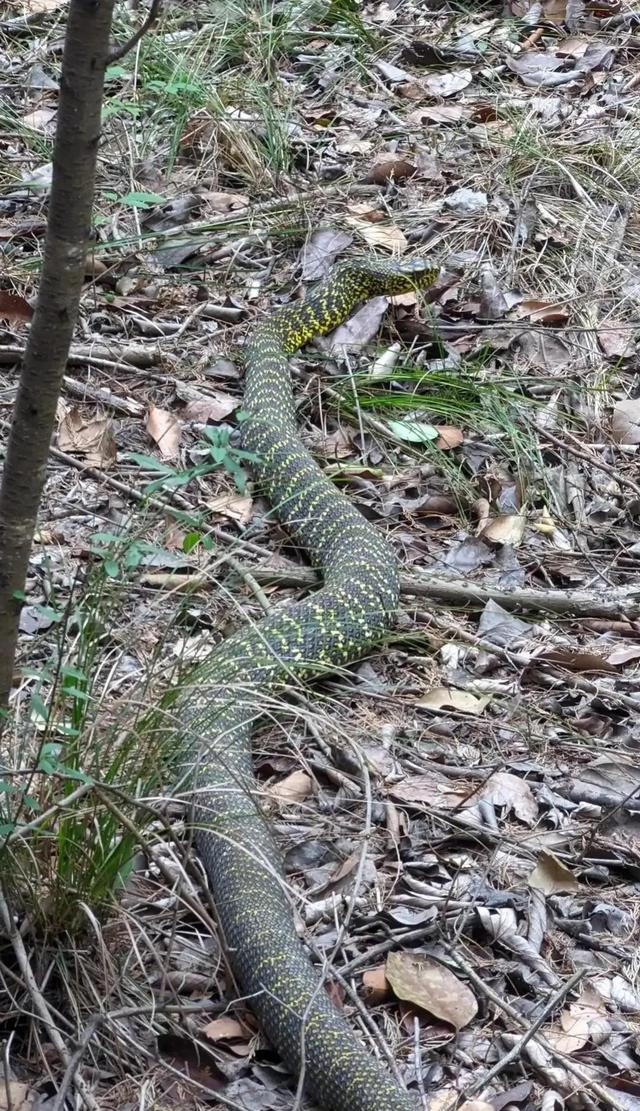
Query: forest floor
[(469, 796)]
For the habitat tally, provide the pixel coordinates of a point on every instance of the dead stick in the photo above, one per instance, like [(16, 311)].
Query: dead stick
[(461, 592)]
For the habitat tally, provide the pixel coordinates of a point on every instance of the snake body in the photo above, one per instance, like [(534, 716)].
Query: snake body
[(233, 686)]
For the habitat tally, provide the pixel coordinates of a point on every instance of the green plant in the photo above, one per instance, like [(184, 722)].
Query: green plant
[(59, 832), (218, 451)]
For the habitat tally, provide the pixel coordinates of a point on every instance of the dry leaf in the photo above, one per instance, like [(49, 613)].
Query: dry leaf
[(375, 983), (226, 202), (550, 875), (295, 787), (445, 1101), (392, 169), (617, 343), (215, 406), (15, 1096), (449, 437), (436, 113), (508, 528), (625, 423), (420, 980), (578, 1022), (165, 429), (387, 236), (14, 308), (621, 656), (238, 507), (432, 789), (320, 252), (508, 791), (545, 312), (448, 83), (573, 47), (450, 698), (91, 437), (576, 661), (41, 119), (43, 5), (223, 1028)]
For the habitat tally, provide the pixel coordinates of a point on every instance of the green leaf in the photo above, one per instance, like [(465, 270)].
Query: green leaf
[(75, 692), (49, 613), (142, 200), (111, 568), (191, 541), (114, 71), (38, 708), (106, 538), (413, 432), (69, 672), (148, 461)]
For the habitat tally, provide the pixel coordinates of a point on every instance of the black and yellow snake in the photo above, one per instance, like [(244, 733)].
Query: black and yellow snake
[(232, 688)]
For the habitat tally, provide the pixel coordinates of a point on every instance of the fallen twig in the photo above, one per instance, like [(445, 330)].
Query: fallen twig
[(461, 592)]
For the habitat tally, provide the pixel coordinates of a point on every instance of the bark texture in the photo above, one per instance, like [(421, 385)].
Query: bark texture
[(86, 53)]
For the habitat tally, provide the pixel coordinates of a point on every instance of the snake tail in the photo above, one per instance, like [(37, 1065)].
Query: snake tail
[(234, 686)]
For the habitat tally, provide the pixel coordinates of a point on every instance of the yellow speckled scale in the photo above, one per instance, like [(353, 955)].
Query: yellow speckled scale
[(231, 689)]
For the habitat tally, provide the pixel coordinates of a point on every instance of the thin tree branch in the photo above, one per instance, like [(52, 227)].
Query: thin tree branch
[(120, 51)]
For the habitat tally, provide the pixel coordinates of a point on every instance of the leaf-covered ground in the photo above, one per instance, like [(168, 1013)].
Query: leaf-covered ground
[(458, 813)]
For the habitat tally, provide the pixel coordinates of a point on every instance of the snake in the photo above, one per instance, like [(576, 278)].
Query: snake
[(237, 683)]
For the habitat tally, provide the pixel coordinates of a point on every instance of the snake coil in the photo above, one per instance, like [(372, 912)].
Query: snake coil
[(232, 688)]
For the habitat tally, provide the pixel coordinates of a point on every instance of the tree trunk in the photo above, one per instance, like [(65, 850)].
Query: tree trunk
[(74, 164)]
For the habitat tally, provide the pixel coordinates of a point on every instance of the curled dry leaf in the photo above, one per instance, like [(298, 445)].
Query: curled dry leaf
[(391, 169), (360, 328), (91, 438), (450, 698), (624, 655), (543, 312), (508, 528), (295, 787), (432, 789), (436, 113), (376, 985), (165, 429), (428, 984), (220, 1029), (551, 876), (582, 663)]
